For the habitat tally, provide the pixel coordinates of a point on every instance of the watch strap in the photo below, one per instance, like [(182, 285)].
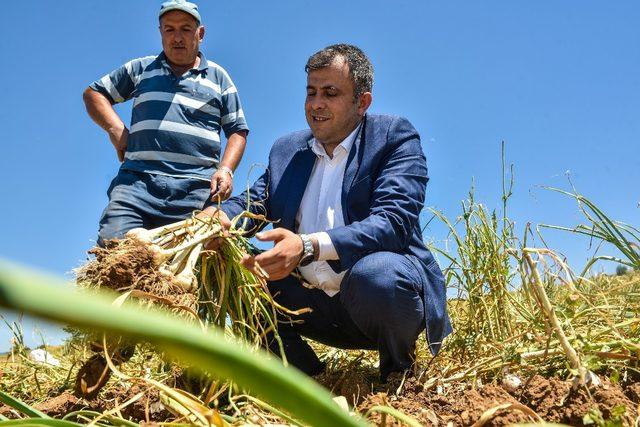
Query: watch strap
[(307, 250)]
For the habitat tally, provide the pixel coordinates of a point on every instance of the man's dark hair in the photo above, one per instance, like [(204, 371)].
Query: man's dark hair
[(360, 68)]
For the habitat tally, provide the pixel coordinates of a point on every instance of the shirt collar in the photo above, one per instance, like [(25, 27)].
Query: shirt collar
[(204, 65), (345, 145)]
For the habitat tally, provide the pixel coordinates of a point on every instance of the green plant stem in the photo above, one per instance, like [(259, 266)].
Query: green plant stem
[(547, 307), (406, 419), (111, 418), (20, 406)]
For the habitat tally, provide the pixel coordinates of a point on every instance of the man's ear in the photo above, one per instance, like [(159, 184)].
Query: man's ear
[(201, 32), (364, 101)]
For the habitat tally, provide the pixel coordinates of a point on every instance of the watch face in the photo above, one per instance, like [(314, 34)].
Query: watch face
[(306, 260)]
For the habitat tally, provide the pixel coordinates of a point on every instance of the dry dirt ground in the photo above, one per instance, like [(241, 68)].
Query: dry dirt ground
[(553, 400)]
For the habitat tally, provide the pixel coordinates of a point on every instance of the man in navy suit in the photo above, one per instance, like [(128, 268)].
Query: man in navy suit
[(346, 197)]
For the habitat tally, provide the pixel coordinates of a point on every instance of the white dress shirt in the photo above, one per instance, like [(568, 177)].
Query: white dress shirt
[(321, 210)]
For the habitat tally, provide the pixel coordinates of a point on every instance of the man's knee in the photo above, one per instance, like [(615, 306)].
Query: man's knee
[(111, 227), (381, 273), (116, 220), (380, 282), (107, 233)]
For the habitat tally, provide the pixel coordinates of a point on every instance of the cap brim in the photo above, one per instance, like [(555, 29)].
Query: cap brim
[(181, 8)]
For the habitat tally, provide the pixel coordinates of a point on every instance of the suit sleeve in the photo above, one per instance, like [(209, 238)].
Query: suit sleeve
[(396, 200)]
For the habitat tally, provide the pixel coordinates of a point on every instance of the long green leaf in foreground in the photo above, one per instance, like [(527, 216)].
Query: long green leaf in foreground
[(33, 422), (20, 406), (286, 388)]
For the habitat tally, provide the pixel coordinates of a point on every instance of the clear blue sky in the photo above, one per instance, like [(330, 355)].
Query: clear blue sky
[(558, 81)]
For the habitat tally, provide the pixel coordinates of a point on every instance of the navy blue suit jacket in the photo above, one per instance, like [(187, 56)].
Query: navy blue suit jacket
[(383, 193)]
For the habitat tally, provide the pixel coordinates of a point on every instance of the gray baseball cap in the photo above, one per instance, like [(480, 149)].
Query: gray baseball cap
[(184, 6)]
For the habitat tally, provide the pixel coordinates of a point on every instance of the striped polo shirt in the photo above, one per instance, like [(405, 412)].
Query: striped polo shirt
[(175, 121)]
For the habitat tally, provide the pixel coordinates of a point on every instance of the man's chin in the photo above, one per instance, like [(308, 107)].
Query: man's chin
[(317, 129), (179, 58), (318, 135)]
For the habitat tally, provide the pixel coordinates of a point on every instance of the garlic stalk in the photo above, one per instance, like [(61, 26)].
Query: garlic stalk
[(186, 278)]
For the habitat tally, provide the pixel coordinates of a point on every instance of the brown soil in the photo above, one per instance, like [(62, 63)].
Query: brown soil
[(633, 392), (124, 265), (147, 408), (61, 405), (557, 401), (7, 411), (553, 400), (353, 384)]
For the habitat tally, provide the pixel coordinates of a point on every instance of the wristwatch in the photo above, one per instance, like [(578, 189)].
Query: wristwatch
[(307, 251)]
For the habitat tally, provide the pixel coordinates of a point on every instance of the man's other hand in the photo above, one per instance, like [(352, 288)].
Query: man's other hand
[(221, 185), (282, 259), (212, 211), (119, 137)]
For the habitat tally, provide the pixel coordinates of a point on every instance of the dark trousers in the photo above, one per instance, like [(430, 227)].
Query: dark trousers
[(379, 307), (145, 200)]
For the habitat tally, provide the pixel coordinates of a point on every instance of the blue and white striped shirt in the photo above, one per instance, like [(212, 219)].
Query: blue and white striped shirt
[(175, 121)]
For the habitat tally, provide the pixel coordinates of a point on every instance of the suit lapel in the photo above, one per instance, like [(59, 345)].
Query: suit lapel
[(351, 170), (299, 173)]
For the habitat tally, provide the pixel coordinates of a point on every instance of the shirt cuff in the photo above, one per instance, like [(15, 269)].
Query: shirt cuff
[(326, 251)]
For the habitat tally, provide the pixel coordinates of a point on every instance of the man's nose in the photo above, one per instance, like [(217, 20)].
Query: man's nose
[(317, 102)]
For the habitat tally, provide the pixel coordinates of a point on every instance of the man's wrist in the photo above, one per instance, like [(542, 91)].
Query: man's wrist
[(316, 247), (325, 249), (227, 170)]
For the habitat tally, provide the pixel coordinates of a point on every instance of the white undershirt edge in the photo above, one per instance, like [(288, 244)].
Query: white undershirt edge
[(321, 210)]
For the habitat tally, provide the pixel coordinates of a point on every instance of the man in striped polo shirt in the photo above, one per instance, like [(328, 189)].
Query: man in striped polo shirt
[(171, 153)]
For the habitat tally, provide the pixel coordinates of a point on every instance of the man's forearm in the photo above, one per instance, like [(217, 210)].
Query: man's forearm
[(234, 150), (100, 110)]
